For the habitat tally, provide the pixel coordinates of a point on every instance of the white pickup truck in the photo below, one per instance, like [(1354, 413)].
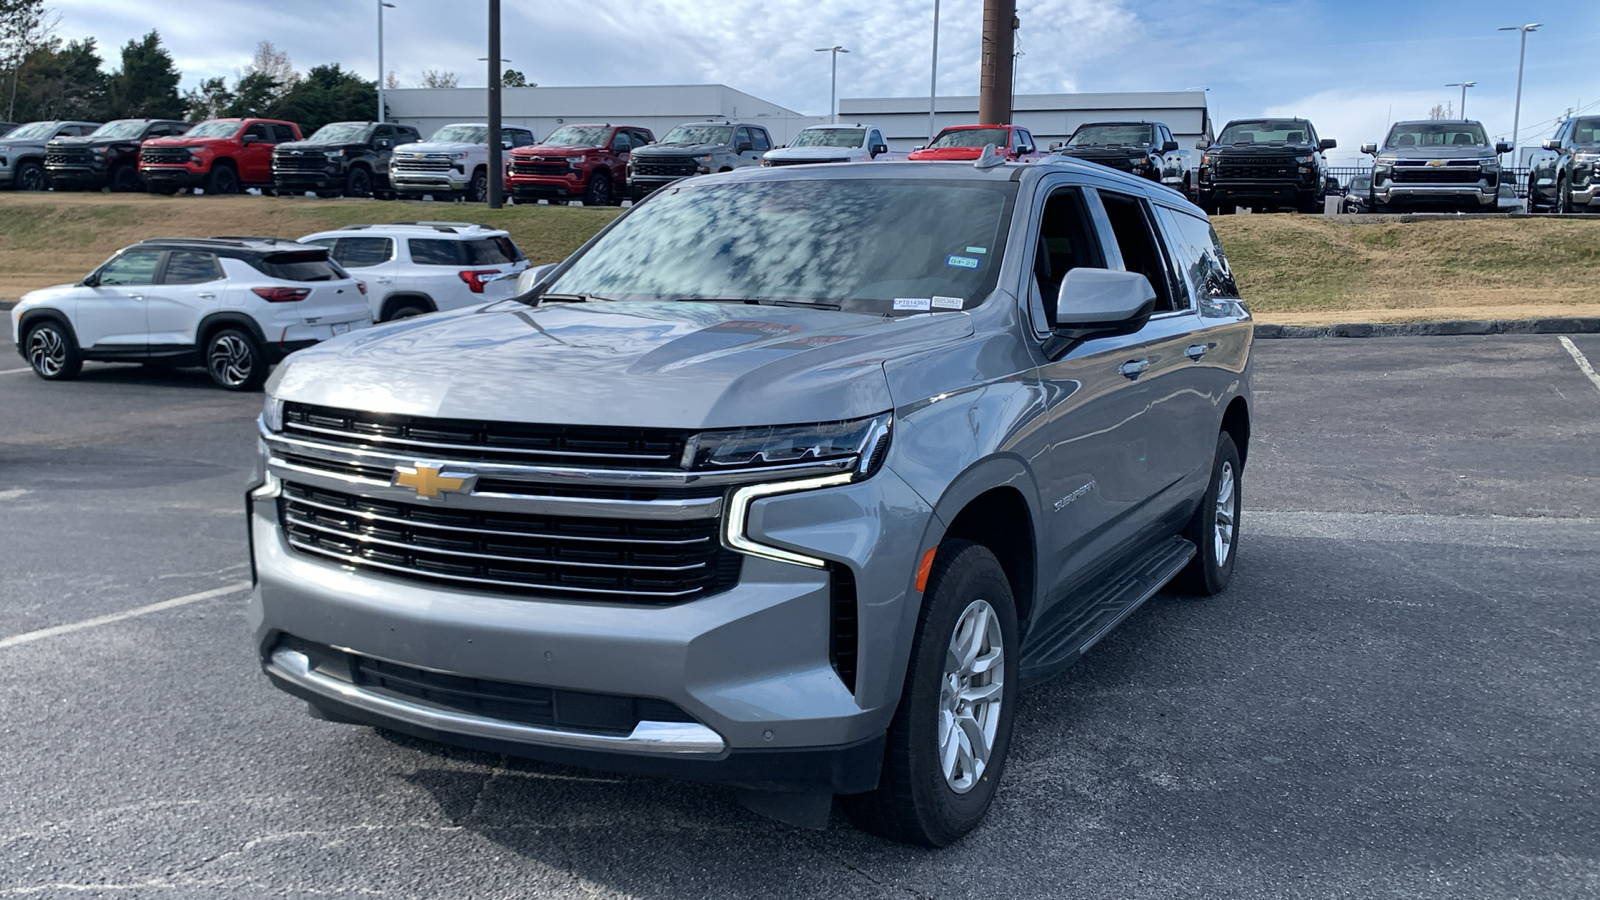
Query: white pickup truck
[(832, 144), (453, 163)]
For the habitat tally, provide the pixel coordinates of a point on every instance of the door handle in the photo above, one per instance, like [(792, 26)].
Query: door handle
[(135, 296), (386, 281), (1196, 351), (207, 296), (1134, 368)]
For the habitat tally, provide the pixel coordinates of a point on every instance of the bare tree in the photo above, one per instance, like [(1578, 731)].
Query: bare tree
[(1442, 111), (436, 79), (275, 65), (390, 82)]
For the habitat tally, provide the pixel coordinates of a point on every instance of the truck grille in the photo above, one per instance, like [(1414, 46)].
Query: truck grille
[(164, 156), (1430, 175), (665, 165), (1258, 169), (538, 167), (502, 442), (68, 157), (427, 164), (569, 557), (299, 163)]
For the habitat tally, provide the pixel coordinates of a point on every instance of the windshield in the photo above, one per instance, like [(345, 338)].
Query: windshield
[(214, 128), (1586, 131), (1361, 182), (1266, 131), (122, 128), (1111, 136), (461, 134), (877, 247), (1435, 134), (699, 134), (829, 137), (33, 131), (971, 137), (579, 136), (342, 132)]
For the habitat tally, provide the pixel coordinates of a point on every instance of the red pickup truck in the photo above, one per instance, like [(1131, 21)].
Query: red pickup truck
[(966, 142), (576, 162), (221, 156)]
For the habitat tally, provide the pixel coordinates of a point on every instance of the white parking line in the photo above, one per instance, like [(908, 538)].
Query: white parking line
[(15, 371), (1583, 363), (185, 600)]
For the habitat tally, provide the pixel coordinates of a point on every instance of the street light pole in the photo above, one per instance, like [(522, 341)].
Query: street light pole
[(1522, 54), (381, 6), (497, 169), (933, 85), (833, 85), (1463, 85)]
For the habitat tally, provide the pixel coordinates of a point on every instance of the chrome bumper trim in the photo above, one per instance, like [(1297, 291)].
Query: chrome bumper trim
[(676, 738)]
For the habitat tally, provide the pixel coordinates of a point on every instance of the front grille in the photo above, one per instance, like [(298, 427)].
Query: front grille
[(649, 562), (1258, 169), (538, 167), (430, 164), (805, 162), (1120, 163), (491, 485), (1430, 175), (665, 165), (505, 701), (298, 163), (71, 157), (502, 442), (164, 156)]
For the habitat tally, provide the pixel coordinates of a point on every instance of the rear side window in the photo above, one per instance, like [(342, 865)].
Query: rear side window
[(1135, 236), (1200, 257), (283, 134), (191, 267), (257, 132), (300, 265), (360, 252), (430, 252)]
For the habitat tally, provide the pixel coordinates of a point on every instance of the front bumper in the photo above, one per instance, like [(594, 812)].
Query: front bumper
[(1393, 193), (1588, 195), (309, 181), (641, 186), (749, 665), (85, 176), (1244, 193), (428, 182), (541, 187), (172, 176)]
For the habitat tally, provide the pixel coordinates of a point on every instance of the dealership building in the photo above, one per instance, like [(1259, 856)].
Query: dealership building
[(904, 120)]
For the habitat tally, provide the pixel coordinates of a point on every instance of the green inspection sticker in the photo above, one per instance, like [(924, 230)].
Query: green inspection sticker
[(977, 249)]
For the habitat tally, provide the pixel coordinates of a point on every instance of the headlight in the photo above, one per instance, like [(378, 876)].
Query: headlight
[(1305, 160), (272, 414), (462, 155), (100, 151), (333, 154), (1385, 163), (866, 441), (705, 159), (1205, 160), (575, 160)]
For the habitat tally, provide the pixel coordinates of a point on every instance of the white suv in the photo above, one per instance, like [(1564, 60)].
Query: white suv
[(414, 268), (233, 305)]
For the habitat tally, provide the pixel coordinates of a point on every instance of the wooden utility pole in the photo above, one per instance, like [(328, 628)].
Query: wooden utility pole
[(999, 41)]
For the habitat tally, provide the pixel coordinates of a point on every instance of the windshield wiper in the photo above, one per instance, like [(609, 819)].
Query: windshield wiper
[(762, 301), (570, 298)]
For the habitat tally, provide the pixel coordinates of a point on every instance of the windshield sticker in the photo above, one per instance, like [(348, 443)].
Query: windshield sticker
[(979, 250), (948, 302), (921, 304), (961, 262)]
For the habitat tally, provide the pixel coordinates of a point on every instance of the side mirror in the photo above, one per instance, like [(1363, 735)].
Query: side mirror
[(246, 141), (1099, 303), (505, 145), (879, 148), (1057, 145), (919, 147), (1327, 144), (1503, 147), (1551, 145), (745, 147), (384, 144), (1169, 146), (1202, 145), (91, 280), (1369, 147), (531, 276)]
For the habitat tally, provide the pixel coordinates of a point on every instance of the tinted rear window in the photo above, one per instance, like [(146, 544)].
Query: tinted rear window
[(300, 265), (477, 252)]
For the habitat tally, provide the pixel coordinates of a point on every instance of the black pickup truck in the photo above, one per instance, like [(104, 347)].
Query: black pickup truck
[(1265, 164), (1145, 149), (350, 158), (106, 158)]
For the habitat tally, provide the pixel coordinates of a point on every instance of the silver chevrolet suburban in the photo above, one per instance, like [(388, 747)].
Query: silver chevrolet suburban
[(789, 479)]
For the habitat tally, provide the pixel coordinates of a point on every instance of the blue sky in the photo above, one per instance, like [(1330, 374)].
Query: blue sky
[(1349, 66)]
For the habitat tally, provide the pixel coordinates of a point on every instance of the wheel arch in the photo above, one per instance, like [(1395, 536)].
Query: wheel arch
[(34, 316), (1236, 422), (394, 301), (217, 321), (993, 503)]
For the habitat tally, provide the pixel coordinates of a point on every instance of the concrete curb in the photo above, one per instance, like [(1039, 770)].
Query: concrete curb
[(1430, 329)]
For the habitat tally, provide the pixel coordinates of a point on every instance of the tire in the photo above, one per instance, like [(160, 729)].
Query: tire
[(52, 352), (406, 310), (125, 180), (30, 176), (358, 183), (599, 191), (918, 800), (235, 361), (222, 180), (1533, 197), (1214, 528), (1563, 198), (478, 191)]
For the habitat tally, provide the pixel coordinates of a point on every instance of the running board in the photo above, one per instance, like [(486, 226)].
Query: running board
[(1057, 643)]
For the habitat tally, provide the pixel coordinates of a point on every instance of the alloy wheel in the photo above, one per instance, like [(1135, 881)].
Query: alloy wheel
[(31, 178), (1227, 513), (970, 696), (47, 351), (230, 360)]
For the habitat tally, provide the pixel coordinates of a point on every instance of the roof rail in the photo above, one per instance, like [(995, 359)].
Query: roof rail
[(251, 237), (448, 227), (230, 241)]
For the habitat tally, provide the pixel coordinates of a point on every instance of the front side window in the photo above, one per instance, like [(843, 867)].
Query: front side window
[(758, 137), (881, 247), (971, 137), (360, 252), (1066, 241), (258, 132), (133, 267), (1431, 134), (191, 267)]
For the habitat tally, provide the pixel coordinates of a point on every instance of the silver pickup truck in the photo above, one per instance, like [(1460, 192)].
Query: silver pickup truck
[(1436, 163), (791, 478)]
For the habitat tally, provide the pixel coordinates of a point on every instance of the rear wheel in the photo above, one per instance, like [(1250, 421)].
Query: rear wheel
[(405, 311), (947, 743), (1214, 528), (222, 180), (52, 352), (235, 361), (599, 190), (358, 183)]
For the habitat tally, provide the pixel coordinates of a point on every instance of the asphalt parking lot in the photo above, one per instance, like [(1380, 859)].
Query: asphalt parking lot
[(1396, 698)]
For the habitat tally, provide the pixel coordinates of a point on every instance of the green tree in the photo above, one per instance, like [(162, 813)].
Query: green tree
[(25, 26), (146, 87), (513, 78), (328, 94), (254, 94), (208, 100), (62, 82)]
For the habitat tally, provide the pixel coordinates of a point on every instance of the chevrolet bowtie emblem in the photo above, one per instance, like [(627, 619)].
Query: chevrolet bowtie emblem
[(431, 481), (1436, 163)]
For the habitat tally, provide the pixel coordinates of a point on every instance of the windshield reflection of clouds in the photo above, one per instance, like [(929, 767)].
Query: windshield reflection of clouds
[(853, 243)]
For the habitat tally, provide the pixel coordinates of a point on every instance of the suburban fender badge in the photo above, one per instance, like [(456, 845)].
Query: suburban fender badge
[(431, 482)]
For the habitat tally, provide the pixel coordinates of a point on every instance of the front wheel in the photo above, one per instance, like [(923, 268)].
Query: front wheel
[(31, 177), (599, 190), (358, 183), (222, 180), (125, 180), (478, 191), (235, 361), (1214, 528), (1563, 198), (52, 352), (947, 744)]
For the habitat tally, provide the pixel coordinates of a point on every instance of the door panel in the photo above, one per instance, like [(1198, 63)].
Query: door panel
[(192, 285), (112, 315)]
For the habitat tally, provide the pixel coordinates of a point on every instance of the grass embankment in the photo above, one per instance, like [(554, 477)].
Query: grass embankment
[(1311, 270), (50, 239), (1292, 269)]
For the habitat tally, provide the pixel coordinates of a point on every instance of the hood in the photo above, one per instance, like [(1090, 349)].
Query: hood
[(662, 365), (31, 144), (555, 150), (1438, 153), (42, 295), (1118, 153), (812, 152), (181, 140), (1262, 149), (956, 153), (438, 147), (679, 149), (291, 147)]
